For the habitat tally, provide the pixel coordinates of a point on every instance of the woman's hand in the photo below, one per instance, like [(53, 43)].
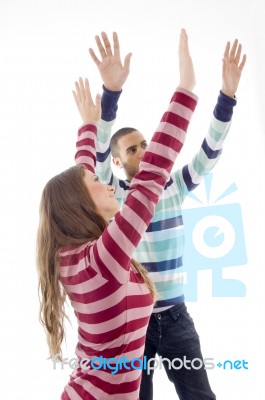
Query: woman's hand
[(90, 112)]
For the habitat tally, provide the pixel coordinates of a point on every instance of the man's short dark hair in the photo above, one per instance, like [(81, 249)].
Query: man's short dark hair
[(116, 137)]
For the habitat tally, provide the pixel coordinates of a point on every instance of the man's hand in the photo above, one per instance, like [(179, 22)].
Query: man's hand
[(112, 72), (186, 71), (90, 112), (232, 68)]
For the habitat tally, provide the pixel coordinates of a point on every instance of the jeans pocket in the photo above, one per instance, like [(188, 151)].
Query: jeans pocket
[(185, 321)]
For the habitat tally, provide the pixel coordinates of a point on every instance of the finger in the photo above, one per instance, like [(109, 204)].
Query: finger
[(238, 54), (181, 38), (77, 92), (98, 103), (183, 41), (183, 31), (127, 61), (106, 43), (183, 35), (227, 49), (243, 62), (82, 89), (75, 98), (87, 90), (233, 50), (116, 45), (100, 47), (93, 56)]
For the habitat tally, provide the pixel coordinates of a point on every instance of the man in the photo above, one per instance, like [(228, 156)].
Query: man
[(171, 333)]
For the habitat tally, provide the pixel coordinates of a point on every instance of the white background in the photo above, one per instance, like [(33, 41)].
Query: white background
[(43, 51)]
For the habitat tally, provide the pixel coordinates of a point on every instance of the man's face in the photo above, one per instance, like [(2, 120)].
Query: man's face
[(131, 148)]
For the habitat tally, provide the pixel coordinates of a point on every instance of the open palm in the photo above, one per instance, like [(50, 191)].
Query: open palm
[(232, 68), (111, 69)]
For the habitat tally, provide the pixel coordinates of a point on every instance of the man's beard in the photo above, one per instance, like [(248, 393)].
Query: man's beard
[(130, 171)]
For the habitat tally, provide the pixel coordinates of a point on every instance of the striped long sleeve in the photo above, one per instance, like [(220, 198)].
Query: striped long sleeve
[(210, 151), (162, 245), (109, 106), (111, 302)]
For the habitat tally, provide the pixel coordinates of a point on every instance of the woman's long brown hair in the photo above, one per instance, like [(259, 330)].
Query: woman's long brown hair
[(68, 217)]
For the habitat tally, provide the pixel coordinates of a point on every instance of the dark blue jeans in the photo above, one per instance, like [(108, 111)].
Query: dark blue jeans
[(171, 334)]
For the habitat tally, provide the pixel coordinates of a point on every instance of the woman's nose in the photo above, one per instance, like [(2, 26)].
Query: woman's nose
[(111, 188)]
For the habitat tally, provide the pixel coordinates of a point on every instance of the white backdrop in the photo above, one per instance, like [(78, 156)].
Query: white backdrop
[(43, 51)]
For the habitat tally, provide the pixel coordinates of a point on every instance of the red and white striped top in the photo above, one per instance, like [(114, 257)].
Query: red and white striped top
[(111, 302)]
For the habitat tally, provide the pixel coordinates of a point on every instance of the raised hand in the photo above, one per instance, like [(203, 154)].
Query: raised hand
[(232, 68), (112, 72), (186, 71), (90, 112)]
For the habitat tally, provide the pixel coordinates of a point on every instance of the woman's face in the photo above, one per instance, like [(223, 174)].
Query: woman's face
[(102, 195)]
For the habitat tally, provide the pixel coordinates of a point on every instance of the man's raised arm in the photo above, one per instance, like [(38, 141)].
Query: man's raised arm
[(210, 151), (114, 75)]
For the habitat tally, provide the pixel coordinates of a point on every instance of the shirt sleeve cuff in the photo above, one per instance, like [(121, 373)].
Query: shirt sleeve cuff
[(109, 104), (223, 110)]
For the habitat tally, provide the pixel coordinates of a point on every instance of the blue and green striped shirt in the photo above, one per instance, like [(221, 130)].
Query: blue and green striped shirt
[(162, 246)]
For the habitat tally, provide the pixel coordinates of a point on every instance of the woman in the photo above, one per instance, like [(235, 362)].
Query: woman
[(83, 255)]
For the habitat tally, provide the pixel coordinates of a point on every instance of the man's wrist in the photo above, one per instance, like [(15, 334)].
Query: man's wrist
[(228, 93), (109, 104), (223, 110), (114, 89)]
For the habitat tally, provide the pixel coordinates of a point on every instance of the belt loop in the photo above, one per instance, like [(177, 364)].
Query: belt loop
[(174, 314)]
